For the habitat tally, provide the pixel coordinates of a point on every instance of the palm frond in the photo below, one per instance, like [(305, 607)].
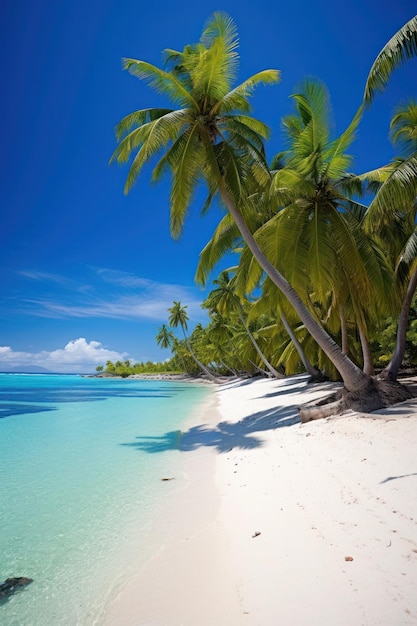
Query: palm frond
[(375, 178), (232, 170), (289, 184), (237, 98), (216, 60), (398, 193), (185, 160), (409, 252), (349, 184), (308, 131), (152, 138), (242, 134), (163, 82), (256, 126), (335, 153), (138, 118), (403, 128), (401, 47), (224, 239)]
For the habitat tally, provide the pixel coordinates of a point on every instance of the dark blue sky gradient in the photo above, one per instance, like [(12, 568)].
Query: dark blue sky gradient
[(78, 258)]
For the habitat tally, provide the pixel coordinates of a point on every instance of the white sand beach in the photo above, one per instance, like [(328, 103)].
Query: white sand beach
[(284, 523)]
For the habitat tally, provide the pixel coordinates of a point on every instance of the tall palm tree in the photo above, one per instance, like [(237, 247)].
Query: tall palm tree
[(315, 239), (401, 47), (392, 216), (179, 317), (211, 137), (399, 186)]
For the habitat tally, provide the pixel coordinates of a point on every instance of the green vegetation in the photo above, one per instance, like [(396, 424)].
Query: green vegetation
[(320, 277), (125, 368)]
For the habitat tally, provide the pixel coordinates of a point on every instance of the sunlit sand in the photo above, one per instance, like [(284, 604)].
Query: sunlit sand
[(282, 522)]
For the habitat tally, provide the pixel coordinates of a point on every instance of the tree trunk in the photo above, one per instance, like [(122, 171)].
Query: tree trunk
[(393, 367), (259, 352), (353, 377), (368, 366), (200, 365), (312, 371), (343, 330)]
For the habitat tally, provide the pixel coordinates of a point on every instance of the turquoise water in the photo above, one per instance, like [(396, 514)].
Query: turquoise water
[(80, 486)]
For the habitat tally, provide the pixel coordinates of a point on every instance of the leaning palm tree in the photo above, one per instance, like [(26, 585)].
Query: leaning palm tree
[(179, 317), (224, 300), (401, 47), (212, 137), (315, 239)]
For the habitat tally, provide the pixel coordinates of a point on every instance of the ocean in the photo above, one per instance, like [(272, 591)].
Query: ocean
[(81, 468)]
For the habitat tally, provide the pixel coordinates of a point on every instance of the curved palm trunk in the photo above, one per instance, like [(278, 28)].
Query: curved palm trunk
[(259, 352), (354, 378), (259, 369), (343, 330), (393, 367), (203, 368), (311, 371), (368, 366), (227, 367)]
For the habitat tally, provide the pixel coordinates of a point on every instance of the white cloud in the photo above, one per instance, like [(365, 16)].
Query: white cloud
[(78, 356)]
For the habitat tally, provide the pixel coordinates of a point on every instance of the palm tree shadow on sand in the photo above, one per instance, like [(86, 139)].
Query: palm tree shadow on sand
[(223, 437)]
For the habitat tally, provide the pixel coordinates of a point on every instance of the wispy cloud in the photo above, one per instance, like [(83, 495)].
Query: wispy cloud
[(46, 277), (110, 294), (124, 279)]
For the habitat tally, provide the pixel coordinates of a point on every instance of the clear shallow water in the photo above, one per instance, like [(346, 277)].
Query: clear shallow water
[(80, 487)]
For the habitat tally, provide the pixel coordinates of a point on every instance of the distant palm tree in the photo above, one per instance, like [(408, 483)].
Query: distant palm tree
[(165, 337), (224, 300), (179, 317)]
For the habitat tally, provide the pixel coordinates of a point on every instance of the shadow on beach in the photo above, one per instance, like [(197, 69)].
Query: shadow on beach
[(227, 435), (224, 437)]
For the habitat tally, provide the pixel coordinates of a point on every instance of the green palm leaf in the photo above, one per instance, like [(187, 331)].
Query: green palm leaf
[(397, 194), (237, 98), (402, 46), (163, 82), (186, 161), (138, 118)]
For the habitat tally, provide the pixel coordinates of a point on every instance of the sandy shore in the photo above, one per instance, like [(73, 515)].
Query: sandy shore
[(284, 523)]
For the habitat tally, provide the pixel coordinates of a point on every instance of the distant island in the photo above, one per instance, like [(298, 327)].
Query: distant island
[(26, 369)]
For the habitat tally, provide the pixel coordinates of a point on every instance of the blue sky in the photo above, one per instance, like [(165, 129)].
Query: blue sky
[(87, 274)]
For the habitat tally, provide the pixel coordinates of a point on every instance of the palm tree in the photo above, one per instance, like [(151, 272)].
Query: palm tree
[(211, 137), (401, 47), (399, 186), (224, 300), (165, 337), (179, 317), (391, 216)]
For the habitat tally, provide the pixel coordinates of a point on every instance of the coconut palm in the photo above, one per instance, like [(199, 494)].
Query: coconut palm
[(165, 337), (401, 47), (179, 317), (391, 216), (221, 334), (212, 137), (224, 300)]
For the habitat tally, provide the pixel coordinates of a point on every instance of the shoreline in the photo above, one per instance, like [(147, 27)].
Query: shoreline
[(283, 522), (189, 545)]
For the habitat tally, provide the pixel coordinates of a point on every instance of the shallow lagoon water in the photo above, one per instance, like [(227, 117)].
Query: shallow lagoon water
[(81, 486)]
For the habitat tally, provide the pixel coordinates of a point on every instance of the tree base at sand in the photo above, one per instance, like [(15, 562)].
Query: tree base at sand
[(378, 394)]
